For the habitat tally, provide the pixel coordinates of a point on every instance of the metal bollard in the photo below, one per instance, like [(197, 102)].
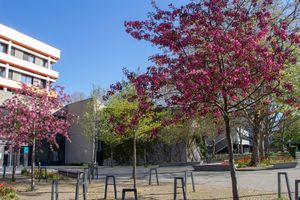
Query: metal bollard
[(279, 174), (297, 189), (192, 179), (81, 180), (54, 189), (106, 186), (129, 190), (150, 175), (182, 186)]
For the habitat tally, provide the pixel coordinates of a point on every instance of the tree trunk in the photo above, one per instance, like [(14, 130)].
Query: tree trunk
[(261, 146), (235, 193), (111, 156), (282, 142), (93, 152), (254, 156), (213, 148), (94, 144), (14, 164), (33, 161), (134, 161), (145, 156), (282, 136), (241, 151), (266, 144)]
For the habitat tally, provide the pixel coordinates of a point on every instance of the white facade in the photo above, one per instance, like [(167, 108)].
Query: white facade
[(25, 60)]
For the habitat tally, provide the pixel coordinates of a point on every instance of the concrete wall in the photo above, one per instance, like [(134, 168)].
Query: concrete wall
[(4, 95), (80, 148), (163, 153)]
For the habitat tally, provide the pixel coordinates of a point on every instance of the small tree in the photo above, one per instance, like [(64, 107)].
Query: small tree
[(91, 118), (35, 114), (107, 132), (128, 119), (11, 126)]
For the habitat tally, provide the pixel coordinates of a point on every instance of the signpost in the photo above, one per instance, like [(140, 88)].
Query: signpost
[(26, 152)]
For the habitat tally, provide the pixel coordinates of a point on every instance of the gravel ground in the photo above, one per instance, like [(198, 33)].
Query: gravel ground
[(162, 192), (209, 185)]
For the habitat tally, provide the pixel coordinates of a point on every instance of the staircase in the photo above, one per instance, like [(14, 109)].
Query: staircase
[(221, 144)]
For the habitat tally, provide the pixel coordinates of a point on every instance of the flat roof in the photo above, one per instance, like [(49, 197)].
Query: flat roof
[(28, 42)]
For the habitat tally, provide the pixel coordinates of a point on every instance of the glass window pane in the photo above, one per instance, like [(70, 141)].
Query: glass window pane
[(38, 61), (26, 79), (19, 54), (45, 63), (16, 76), (23, 79), (13, 51), (31, 58), (3, 47), (10, 74), (28, 57), (2, 72)]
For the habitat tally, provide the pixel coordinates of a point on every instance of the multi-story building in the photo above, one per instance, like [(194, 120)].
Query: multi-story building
[(23, 59)]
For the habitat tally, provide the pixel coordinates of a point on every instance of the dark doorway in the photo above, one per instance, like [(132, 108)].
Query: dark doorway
[(99, 153), (49, 155)]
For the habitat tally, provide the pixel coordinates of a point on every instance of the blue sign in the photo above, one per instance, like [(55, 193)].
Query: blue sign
[(26, 149)]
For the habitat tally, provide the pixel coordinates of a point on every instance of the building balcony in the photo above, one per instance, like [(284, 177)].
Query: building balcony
[(4, 82), (28, 66)]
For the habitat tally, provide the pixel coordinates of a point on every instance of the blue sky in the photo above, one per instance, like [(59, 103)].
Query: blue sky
[(90, 34)]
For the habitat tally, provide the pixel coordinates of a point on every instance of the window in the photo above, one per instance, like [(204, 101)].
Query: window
[(10, 74), (13, 75), (2, 72), (13, 51), (44, 83), (41, 62), (10, 90), (38, 61), (28, 57), (36, 82), (3, 47), (55, 156), (26, 79), (45, 63), (17, 53), (39, 82)]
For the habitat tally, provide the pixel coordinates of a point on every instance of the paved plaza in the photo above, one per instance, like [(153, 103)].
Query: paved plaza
[(264, 180), (209, 185)]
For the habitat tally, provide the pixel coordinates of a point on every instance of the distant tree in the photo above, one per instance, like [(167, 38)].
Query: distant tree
[(107, 131), (194, 132), (210, 128), (33, 115), (91, 118), (289, 132), (77, 96), (98, 93)]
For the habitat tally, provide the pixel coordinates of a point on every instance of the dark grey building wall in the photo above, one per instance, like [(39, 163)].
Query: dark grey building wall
[(79, 150)]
